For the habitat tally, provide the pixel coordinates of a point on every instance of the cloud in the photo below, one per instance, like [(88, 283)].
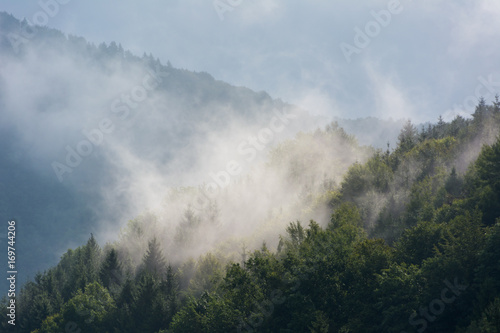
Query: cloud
[(256, 12), (391, 100), (317, 102), (474, 26), (437, 48)]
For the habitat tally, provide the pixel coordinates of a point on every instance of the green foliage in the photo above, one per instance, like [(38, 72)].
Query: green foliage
[(407, 138), (207, 276), (355, 181), (397, 296), (153, 261), (419, 243), (296, 236), (90, 309), (347, 214), (111, 274), (188, 319), (187, 227), (430, 227), (454, 184), (52, 324), (346, 221), (490, 320), (488, 269), (484, 182)]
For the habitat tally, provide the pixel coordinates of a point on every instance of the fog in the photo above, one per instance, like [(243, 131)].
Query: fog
[(431, 55), (199, 164), (177, 155)]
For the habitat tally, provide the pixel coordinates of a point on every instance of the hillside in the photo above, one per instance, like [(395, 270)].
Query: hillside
[(150, 198), (93, 136), (61, 96), (410, 244)]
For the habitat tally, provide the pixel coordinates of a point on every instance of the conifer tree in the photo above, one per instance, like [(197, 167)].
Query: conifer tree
[(407, 137), (154, 261), (111, 270)]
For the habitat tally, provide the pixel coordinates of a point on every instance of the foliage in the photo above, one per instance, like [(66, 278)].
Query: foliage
[(412, 244)]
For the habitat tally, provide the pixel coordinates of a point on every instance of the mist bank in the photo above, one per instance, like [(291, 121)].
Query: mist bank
[(94, 135)]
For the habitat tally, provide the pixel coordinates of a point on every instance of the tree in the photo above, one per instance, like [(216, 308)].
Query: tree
[(295, 237), (355, 182), (484, 182), (347, 214), (320, 325), (89, 262), (190, 222), (188, 319), (418, 243), (440, 128), (170, 293), (368, 259), (496, 105), (490, 320), (207, 276), (124, 316), (454, 184), (488, 270), (111, 272), (397, 297), (91, 309), (52, 324), (154, 261), (480, 112), (407, 138), (147, 316)]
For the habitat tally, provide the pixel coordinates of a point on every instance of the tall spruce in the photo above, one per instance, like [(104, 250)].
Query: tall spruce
[(111, 271), (154, 262)]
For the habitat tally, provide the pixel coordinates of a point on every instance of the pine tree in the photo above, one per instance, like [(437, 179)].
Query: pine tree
[(154, 261), (496, 105), (407, 138), (187, 227), (88, 260), (488, 182), (480, 113), (169, 294), (453, 184), (441, 125), (92, 257), (111, 272)]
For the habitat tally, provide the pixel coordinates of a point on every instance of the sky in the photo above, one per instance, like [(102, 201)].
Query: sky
[(350, 59)]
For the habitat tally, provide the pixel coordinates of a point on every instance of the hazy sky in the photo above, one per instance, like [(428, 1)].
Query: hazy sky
[(425, 58)]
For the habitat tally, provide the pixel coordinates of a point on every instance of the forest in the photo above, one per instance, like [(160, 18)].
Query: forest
[(410, 244)]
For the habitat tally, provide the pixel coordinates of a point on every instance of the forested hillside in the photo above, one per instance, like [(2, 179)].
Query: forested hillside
[(55, 92), (408, 242)]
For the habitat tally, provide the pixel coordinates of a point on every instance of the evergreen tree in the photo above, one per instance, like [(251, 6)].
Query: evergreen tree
[(407, 138), (154, 261), (187, 228), (496, 105), (486, 182), (87, 269), (142, 306), (453, 184), (440, 128), (111, 271)]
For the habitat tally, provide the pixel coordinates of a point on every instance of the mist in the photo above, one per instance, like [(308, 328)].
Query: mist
[(158, 151), (195, 162)]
